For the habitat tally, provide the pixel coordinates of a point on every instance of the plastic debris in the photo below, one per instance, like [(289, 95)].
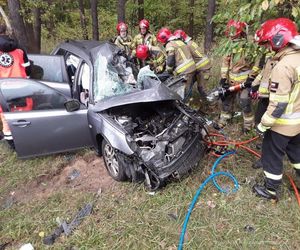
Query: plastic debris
[(68, 228), (74, 174), (27, 246)]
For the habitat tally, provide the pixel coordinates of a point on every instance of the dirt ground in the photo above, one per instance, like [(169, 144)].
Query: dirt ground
[(84, 173)]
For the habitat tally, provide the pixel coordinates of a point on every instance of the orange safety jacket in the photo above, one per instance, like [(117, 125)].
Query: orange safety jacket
[(12, 64)]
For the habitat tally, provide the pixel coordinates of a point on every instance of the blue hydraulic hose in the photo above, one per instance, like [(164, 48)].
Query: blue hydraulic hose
[(208, 179)]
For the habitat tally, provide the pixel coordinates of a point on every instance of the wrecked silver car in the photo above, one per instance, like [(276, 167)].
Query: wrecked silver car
[(140, 127)]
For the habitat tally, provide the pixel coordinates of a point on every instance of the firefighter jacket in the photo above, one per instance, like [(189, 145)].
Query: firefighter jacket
[(13, 60), (236, 69), (148, 39), (157, 59), (283, 112), (124, 43), (262, 79), (179, 58), (201, 60)]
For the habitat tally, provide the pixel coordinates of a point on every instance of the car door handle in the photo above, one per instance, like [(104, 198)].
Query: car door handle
[(21, 123)]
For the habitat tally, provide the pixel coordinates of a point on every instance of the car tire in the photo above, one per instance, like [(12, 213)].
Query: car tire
[(114, 166)]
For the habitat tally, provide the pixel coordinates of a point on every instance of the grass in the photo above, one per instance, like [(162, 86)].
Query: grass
[(125, 216)]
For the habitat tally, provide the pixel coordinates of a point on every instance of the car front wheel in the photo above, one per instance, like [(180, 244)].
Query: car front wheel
[(114, 166)]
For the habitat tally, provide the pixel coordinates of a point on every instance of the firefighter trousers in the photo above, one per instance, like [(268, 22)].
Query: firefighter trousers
[(245, 104), (274, 147), (262, 106)]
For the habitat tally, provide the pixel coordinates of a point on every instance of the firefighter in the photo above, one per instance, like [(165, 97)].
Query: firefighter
[(202, 62), (280, 124), (123, 39), (235, 70), (13, 63), (179, 59), (144, 37), (152, 56)]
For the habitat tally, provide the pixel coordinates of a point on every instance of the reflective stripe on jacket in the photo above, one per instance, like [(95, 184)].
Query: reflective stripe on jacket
[(157, 59), (201, 60), (124, 43), (12, 64), (183, 62)]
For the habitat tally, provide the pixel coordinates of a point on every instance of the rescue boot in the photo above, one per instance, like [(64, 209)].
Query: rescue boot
[(268, 191), (257, 164), (262, 191)]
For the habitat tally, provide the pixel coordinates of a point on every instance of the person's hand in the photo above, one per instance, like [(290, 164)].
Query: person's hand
[(223, 83), (254, 92), (248, 82), (261, 129)]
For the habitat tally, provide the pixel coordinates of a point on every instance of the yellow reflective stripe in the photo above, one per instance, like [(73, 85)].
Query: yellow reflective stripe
[(202, 63), (171, 48), (224, 69), (279, 98), (263, 90), (248, 118), (255, 69), (267, 119), (238, 78), (195, 45), (273, 176), (286, 121), (225, 116), (184, 66), (293, 97), (296, 165), (160, 59), (182, 54)]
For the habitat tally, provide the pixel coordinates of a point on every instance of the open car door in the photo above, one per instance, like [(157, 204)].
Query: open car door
[(38, 120)]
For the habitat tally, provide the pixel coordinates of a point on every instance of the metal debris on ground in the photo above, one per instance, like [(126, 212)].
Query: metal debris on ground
[(249, 229), (74, 174), (68, 228)]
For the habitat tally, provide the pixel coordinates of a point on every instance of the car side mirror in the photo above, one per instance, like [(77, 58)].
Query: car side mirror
[(72, 105)]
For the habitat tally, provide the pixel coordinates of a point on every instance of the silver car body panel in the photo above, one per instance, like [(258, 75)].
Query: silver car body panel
[(48, 132)]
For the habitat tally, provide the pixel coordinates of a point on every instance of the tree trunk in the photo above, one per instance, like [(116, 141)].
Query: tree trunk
[(94, 13), (191, 17), (6, 20), (83, 20), (37, 29), (209, 30), (121, 10), (17, 22), (140, 9)]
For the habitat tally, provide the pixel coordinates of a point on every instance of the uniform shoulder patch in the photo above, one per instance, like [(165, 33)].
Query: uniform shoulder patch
[(274, 86), (6, 60)]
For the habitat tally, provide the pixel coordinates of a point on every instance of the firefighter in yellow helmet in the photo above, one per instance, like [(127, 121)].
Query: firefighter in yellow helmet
[(179, 59), (144, 37), (202, 62), (236, 70), (280, 124)]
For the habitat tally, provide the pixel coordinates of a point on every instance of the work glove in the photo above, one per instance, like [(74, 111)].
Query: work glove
[(223, 83), (248, 82), (254, 92), (261, 129)]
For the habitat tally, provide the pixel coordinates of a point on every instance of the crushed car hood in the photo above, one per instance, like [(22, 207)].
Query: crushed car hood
[(157, 93)]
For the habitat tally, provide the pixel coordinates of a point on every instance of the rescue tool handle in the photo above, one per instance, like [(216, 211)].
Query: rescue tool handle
[(21, 123)]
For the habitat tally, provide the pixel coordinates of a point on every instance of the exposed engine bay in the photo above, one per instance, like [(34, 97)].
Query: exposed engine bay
[(167, 138)]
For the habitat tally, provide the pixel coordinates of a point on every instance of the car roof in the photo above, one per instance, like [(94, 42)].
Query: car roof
[(84, 48)]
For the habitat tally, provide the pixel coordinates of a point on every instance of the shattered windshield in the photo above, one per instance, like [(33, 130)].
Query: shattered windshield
[(113, 77)]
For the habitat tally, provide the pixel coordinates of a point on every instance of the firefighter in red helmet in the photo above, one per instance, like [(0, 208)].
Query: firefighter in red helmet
[(144, 37), (123, 39), (202, 62), (179, 59), (152, 56), (235, 70), (280, 124)]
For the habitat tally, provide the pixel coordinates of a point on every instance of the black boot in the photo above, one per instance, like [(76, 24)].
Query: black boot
[(262, 191), (257, 164)]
